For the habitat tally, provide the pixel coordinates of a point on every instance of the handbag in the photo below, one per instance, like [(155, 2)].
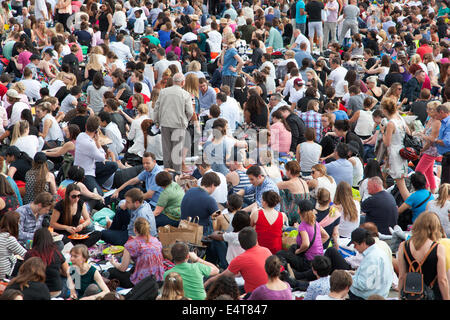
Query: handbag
[(411, 149), (194, 227), (169, 235)]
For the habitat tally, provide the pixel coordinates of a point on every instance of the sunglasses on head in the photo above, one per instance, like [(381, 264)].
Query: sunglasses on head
[(74, 196)]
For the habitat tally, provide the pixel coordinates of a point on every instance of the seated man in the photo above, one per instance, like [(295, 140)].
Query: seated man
[(134, 206), (168, 208), (191, 273), (221, 192), (152, 190), (250, 264)]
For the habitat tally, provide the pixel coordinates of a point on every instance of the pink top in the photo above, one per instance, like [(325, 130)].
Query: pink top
[(280, 137), (79, 53), (317, 247), (24, 59), (176, 50)]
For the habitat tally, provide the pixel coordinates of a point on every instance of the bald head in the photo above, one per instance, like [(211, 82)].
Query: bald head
[(375, 185)]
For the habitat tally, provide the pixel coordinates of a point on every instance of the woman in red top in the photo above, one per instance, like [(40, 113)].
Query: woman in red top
[(268, 222)]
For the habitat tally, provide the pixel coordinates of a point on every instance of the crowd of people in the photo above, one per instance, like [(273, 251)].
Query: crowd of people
[(304, 136)]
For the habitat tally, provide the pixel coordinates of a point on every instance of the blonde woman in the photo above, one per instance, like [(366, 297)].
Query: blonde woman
[(92, 67), (426, 232), (194, 67), (320, 179), (153, 98), (349, 209), (41, 33), (441, 206), (21, 138), (311, 74), (172, 288)]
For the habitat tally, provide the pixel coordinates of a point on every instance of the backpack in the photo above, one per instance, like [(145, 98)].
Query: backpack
[(63, 172), (414, 287), (146, 289)]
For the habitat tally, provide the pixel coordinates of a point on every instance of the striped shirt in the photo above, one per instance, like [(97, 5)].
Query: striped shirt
[(9, 247), (243, 183)]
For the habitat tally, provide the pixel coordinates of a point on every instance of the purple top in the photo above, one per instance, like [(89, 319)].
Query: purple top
[(406, 76), (148, 258), (264, 293), (317, 247), (176, 50)]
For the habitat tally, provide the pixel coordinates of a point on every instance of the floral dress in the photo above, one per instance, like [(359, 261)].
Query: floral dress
[(148, 258)]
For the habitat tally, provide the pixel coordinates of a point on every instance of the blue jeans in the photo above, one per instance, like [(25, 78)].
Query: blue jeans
[(163, 220), (301, 26)]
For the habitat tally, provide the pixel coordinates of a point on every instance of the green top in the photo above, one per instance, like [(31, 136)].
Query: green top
[(171, 199), (153, 40), (192, 275), (275, 39), (8, 48), (442, 11)]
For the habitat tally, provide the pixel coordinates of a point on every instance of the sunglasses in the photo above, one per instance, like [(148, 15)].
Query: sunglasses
[(313, 171), (75, 196)]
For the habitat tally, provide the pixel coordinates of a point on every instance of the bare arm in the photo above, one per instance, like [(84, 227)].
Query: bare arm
[(102, 285)]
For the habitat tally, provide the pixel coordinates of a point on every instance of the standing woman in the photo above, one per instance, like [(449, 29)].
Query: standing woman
[(231, 62), (38, 179), (393, 135), (63, 12), (348, 208), (9, 246), (429, 151), (426, 232), (268, 222), (70, 216), (104, 16), (145, 251)]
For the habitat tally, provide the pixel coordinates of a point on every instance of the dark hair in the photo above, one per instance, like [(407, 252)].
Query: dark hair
[(92, 124), (66, 215), (418, 180), (214, 110), (97, 81), (10, 223), (342, 150), (342, 125), (255, 104), (254, 171), (322, 265), (44, 246), (279, 115), (11, 294), (32, 269), (271, 198), (247, 238), (179, 252), (74, 131), (104, 116), (5, 187), (310, 134), (76, 173), (273, 266), (241, 219), (372, 169), (234, 202), (223, 285), (210, 179), (163, 179), (75, 90)]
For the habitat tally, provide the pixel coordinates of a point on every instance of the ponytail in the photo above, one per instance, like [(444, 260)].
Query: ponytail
[(444, 191)]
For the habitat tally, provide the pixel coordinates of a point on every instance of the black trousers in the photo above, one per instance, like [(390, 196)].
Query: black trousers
[(123, 277), (445, 176), (298, 262)]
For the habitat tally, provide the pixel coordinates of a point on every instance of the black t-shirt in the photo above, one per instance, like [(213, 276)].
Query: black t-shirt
[(321, 214), (314, 10), (260, 120), (353, 137), (118, 119), (72, 61), (34, 291), (22, 167), (80, 121), (328, 144), (75, 218), (381, 209), (256, 57), (52, 272), (419, 108), (61, 94), (391, 78)]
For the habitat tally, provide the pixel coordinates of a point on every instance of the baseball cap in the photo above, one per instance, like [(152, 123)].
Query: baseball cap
[(359, 235), (298, 82)]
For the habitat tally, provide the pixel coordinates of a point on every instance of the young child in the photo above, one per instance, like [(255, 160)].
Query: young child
[(331, 107), (369, 144), (321, 267), (340, 283), (223, 221), (172, 288), (139, 24), (71, 100)]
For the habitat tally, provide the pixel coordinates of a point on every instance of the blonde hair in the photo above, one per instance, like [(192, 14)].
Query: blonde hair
[(444, 191), (142, 228), (94, 62), (308, 217), (173, 287), (194, 66), (289, 54), (427, 226), (97, 50), (142, 108), (191, 84), (433, 105), (82, 249), (344, 197), (19, 130), (323, 170), (19, 87), (415, 59)]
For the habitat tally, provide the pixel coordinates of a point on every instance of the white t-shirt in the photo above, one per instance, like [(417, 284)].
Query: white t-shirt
[(17, 111), (188, 37), (358, 171), (112, 131), (337, 76), (269, 64), (215, 41), (160, 67), (234, 247), (139, 25), (442, 214), (122, 51), (309, 155), (32, 88), (365, 123), (28, 144), (230, 112), (55, 86), (54, 132), (346, 227), (295, 95), (326, 297), (221, 192), (324, 182), (119, 19), (301, 38)]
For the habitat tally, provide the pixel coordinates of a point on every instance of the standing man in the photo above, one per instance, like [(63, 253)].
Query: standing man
[(300, 16), (314, 9), (173, 110), (351, 13), (443, 140), (330, 25)]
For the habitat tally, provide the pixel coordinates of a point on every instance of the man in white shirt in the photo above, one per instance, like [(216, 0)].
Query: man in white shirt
[(90, 155), (229, 111), (161, 65), (111, 131), (336, 77), (295, 74), (299, 39), (220, 194), (214, 40), (32, 86), (122, 51), (297, 92)]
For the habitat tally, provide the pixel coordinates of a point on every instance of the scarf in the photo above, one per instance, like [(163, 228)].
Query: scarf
[(202, 43)]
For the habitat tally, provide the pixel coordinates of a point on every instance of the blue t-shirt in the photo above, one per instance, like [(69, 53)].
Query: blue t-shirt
[(197, 202), (150, 184), (341, 170), (298, 17), (229, 61), (417, 198), (340, 115)]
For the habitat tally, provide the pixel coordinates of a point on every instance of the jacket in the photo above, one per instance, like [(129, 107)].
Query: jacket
[(173, 109), (297, 130), (411, 90)]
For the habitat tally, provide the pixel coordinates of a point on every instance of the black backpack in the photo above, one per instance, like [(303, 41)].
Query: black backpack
[(146, 289), (414, 288)]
